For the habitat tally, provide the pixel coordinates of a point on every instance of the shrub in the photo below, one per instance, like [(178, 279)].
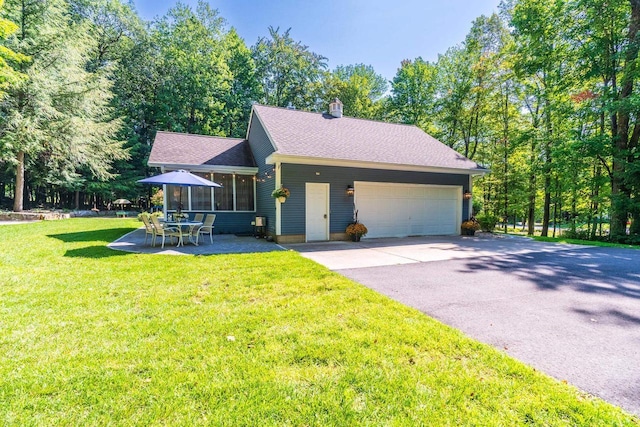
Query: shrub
[(487, 222), (148, 215), (579, 234), (158, 198), (477, 204)]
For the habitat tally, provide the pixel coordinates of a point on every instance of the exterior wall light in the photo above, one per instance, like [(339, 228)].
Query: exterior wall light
[(350, 190), (467, 195)]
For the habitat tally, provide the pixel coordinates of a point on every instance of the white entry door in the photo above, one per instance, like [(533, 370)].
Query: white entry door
[(317, 212)]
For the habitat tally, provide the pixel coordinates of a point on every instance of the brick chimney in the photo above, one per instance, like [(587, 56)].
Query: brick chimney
[(335, 108)]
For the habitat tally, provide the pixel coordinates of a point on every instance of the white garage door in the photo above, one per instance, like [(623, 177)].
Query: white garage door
[(399, 210)]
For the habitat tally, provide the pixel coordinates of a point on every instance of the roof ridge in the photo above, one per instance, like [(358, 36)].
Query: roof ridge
[(199, 135), (343, 117)]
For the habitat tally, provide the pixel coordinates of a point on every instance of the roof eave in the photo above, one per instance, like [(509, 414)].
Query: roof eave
[(316, 161), (255, 113), (249, 170)]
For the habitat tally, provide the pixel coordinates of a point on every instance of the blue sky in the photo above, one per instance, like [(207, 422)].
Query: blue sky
[(380, 33)]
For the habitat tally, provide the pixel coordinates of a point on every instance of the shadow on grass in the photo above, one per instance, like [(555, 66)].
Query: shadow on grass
[(106, 235), (97, 251)]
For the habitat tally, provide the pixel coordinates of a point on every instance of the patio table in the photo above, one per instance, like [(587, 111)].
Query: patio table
[(180, 225)]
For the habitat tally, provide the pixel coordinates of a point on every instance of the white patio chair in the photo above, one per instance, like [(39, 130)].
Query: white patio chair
[(198, 217), (148, 227), (164, 231), (207, 227)]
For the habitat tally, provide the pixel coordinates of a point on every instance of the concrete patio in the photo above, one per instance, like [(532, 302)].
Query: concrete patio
[(222, 244)]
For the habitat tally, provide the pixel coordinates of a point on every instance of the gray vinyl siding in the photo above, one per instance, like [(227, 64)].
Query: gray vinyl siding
[(265, 179), (230, 222), (294, 178)]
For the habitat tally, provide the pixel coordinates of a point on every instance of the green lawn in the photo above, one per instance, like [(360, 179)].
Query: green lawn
[(92, 336), (584, 242)]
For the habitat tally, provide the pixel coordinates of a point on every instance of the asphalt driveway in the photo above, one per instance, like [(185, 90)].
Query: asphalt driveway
[(570, 311)]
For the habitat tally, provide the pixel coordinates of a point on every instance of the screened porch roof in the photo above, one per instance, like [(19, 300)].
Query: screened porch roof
[(172, 150)]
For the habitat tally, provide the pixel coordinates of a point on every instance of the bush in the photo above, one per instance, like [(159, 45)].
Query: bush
[(158, 198), (579, 234), (148, 215), (477, 204), (487, 222)]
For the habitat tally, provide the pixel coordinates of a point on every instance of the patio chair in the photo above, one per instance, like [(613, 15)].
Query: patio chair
[(148, 227), (207, 227), (198, 217), (164, 231)]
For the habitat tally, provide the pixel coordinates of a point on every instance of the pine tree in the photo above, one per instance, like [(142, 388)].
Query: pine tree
[(59, 116)]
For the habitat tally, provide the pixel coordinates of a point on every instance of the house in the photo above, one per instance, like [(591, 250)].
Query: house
[(399, 180)]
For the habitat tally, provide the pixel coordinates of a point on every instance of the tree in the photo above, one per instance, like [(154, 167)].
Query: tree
[(543, 58), (194, 74), (8, 75), (59, 115), (607, 39), (496, 117), (413, 93), (454, 81), (358, 87), (288, 72), (245, 88)]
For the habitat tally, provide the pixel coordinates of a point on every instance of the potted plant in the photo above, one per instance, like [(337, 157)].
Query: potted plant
[(470, 227), (356, 230), (179, 216), (281, 194)]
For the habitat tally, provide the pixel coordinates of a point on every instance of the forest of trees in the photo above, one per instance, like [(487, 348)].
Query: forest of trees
[(544, 94)]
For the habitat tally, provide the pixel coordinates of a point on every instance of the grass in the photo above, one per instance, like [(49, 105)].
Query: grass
[(584, 242), (519, 232), (92, 336)]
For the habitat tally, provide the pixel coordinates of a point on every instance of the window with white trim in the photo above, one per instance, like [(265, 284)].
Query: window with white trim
[(238, 193)]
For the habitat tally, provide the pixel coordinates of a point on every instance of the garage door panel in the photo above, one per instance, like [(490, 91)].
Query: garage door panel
[(398, 210)]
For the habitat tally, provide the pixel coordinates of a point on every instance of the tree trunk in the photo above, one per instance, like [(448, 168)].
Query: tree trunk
[(620, 195), (505, 136), (18, 196), (595, 204), (531, 214), (547, 171), (547, 205), (555, 207)]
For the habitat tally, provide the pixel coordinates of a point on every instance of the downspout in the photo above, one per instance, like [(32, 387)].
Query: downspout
[(164, 197), (278, 167), (470, 201)]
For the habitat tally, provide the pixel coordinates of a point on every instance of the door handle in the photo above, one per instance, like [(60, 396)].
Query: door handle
[(325, 216)]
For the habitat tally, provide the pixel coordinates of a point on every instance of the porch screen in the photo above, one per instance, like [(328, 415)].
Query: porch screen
[(173, 194), (201, 196), (223, 196), (244, 193)]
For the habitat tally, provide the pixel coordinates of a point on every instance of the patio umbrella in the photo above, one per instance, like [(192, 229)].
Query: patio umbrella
[(181, 178), (121, 202)]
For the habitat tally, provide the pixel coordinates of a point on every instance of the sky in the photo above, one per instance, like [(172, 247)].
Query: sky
[(380, 33)]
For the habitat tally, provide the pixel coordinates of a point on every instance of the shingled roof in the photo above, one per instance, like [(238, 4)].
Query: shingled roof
[(315, 135), (170, 148)]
